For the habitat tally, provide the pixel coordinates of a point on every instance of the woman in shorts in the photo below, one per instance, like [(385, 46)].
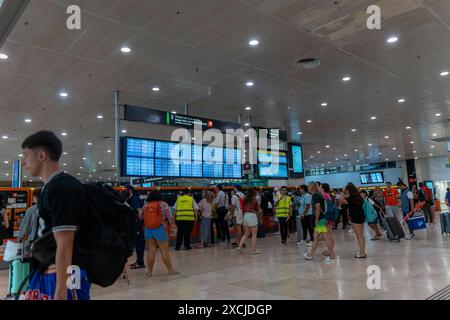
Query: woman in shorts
[(157, 237), (251, 211)]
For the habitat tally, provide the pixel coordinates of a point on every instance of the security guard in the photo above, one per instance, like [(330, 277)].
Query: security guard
[(186, 210), (283, 210)]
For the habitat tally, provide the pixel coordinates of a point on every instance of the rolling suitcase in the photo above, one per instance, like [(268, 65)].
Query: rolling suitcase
[(393, 228), (445, 223), (261, 231)]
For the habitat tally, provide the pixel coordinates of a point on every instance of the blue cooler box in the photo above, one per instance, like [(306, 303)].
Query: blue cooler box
[(417, 222)]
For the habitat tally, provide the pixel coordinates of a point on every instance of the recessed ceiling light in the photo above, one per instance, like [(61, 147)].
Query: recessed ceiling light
[(308, 121), (113, 166), (394, 148), (399, 156), (373, 118), (125, 50), (356, 150), (7, 174), (65, 153), (64, 133), (81, 168), (407, 128), (412, 142), (414, 151), (327, 146), (357, 160), (353, 130), (78, 174), (27, 120), (65, 164), (323, 165), (386, 137), (63, 94), (380, 153), (253, 42), (434, 134), (89, 143), (155, 89), (345, 155), (109, 151), (250, 84), (124, 131), (401, 100), (346, 79), (248, 108), (94, 170), (311, 157), (367, 157), (3, 56), (84, 158), (299, 132), (329, 162), (369, 144), (387, 159), (444, 73), (4, 137), (174, 112), (318, 151), (99, 162), (193, 138), (246, 124), (337, 159), (438, 114), (289, 107), (21, 155), (416, 158), (6, 162), (99, 116), (431, 154), (392, 39), (324, 104), (432, 147)]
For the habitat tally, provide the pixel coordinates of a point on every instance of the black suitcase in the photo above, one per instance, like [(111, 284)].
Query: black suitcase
[(261, 231), (393, 228)]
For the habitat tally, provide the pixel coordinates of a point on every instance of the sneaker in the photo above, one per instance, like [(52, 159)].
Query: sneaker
[(350, 231), (239, 250), (309, 244), (329, 259), (300, 242), (256, 252), (307, 257)]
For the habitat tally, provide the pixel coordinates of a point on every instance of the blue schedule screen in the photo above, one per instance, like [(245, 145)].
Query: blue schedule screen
[(297, 159), (272, 164), (155, 158)]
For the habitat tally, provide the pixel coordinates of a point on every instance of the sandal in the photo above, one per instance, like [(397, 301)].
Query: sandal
[(137, 266), (357, 256)]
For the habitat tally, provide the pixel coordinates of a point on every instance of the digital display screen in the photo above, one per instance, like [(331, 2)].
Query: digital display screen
[(272, 164), (155, 158), (372, 178)]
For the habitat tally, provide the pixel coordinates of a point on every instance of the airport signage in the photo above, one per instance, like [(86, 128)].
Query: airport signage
[(141, 114)]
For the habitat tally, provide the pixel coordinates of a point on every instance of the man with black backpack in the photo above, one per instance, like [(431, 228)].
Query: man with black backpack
[(62, 204)]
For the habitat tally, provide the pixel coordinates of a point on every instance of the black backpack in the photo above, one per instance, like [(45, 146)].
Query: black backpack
[(105, 238)]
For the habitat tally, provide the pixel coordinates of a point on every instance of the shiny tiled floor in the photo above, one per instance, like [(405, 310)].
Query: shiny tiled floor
[(409, 270)]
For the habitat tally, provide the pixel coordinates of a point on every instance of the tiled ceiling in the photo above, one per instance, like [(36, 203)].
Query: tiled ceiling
[(197, 52)]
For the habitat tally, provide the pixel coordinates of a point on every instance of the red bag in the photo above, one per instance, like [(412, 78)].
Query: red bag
[(152, 215)]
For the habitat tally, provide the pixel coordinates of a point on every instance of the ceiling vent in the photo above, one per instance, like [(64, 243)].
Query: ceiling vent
[(308, 64)]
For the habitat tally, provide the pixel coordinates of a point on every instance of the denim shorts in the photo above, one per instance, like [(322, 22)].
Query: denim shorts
[(159, 234), (250, 219)]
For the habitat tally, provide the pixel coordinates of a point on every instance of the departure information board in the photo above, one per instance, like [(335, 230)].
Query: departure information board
[(272, 164), (296, 160), (155, 158)]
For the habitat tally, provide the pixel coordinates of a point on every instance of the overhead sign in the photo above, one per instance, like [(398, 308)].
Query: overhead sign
[(141, 114)]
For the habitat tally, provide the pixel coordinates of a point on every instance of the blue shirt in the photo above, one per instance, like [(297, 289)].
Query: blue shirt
[(447, 196), (304, 201)]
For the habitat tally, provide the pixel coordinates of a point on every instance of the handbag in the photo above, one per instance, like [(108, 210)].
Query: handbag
[(43, 249)]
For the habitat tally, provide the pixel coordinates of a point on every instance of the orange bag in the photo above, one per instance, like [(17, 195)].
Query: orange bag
[(152, 215), (437, 205)]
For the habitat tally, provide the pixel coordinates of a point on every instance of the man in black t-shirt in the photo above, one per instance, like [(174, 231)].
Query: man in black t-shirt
[(62, 204)]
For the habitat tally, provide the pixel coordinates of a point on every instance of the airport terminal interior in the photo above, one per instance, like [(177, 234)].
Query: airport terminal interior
[(303, 123)]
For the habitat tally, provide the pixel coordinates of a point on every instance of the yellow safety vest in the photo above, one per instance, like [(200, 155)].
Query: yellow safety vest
[(283, 207), (185, 209)]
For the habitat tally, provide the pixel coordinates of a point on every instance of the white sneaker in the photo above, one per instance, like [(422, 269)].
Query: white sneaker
[(309, 244), (350, 231), (307, 257), (300, 242), (328, 259), (256, 252)]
